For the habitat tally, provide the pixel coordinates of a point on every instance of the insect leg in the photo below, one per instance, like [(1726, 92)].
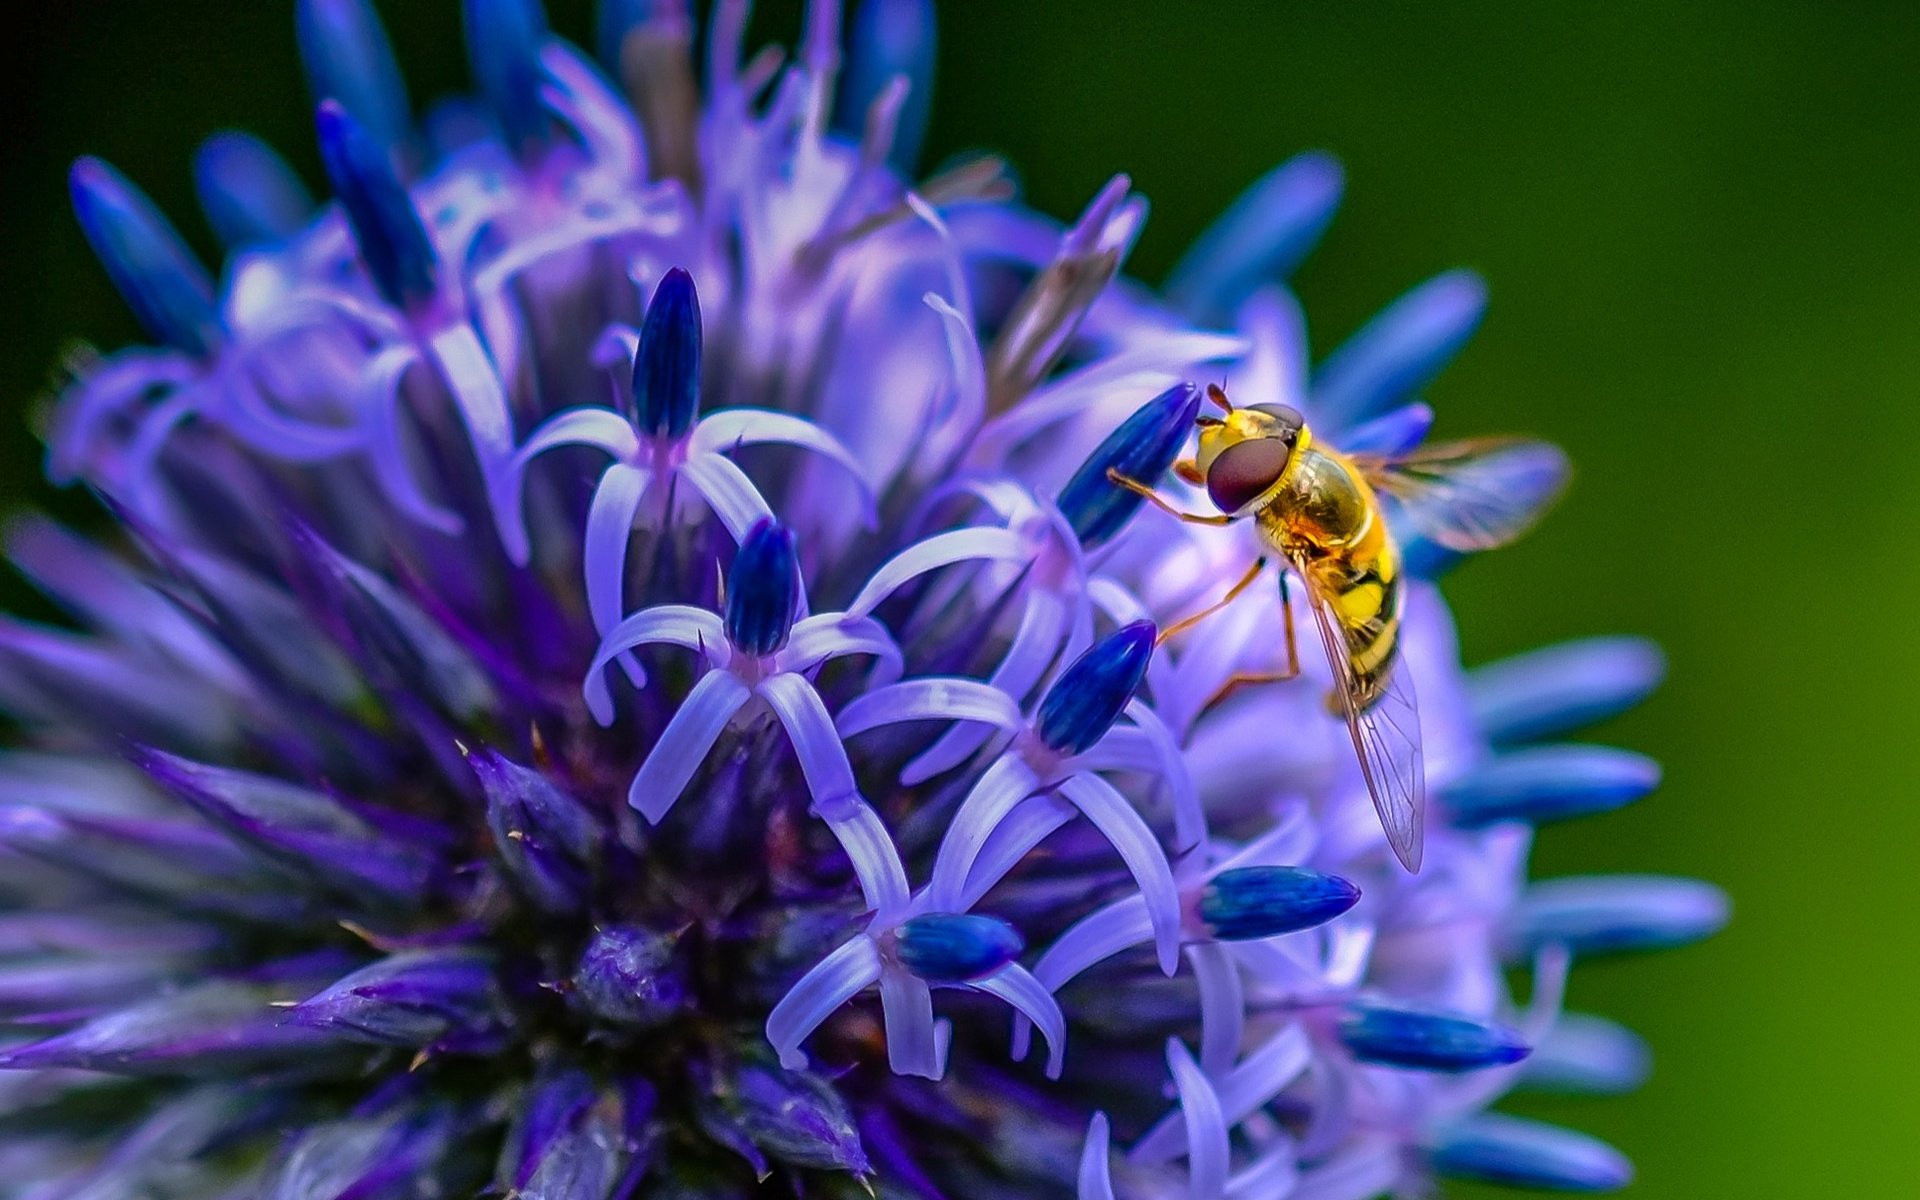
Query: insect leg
[(1286, 609), (1247, 679), (1160, 502), (1233, 593)]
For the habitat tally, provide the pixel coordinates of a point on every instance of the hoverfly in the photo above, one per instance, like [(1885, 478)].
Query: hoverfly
[(1320, 510)]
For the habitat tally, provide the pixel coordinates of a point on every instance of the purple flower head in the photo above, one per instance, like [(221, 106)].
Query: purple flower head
[(624, 671)]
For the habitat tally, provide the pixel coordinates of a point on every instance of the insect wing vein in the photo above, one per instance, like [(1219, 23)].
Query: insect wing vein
[(1472, 495), (1386, 735)]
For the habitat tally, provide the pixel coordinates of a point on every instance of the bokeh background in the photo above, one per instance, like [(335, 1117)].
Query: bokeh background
[(1701, 224)]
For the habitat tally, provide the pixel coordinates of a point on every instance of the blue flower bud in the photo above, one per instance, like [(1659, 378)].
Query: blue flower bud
[(1088, 697), (956, 947), (576, 1141), (1514, 1152), (347, 56), (1425, 1039), (315, 835), (210, 1029), (1588, 1056), (364, 1155), (396, 645), (504, 40), (1142, 448), (759, 1109), (666, 370), (1562, 688), (1549, 783), (762, 589), (629, 976), (413, 999), (549, 842), (1397, 352), (393, 242), (178, 864), (890, 38), (1396, 432), (1247, 903), (249, 193), (161, 281), (1605, 914), (1260, 240)]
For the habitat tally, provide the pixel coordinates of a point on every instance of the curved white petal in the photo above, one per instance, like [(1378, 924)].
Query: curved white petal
[(941, 550), (672, 624), (1206, 1125), (1036, 642), (816, 743), (913, 1043), (601, 428), (833, 981), (379, 407), (727, 490), (931, 699), (603, 550), (1189, 818), (823, 636), (836, 798), (1096, 1171), (1012, 840), (998, 791), (577, 93), (1020, 989), (1260, 1077), (1223, 1006), (1130, 837), (685, 742), (725, 430), (1093, 939)]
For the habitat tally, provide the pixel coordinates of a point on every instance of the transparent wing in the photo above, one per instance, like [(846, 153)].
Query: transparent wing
[(1386, 733), (1472, 495)]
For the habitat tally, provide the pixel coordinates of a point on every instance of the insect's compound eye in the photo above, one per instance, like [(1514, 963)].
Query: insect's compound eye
[(1288, 420), (1245, 469)]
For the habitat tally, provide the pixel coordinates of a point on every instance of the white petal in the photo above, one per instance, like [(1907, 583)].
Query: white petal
[(931, 699), (723, 431), (727, 490), (998, 791), (940, 550), (833, 981), (672, 624), (1020, 989), (836, 635), (1130, 837), (1096, 1172), (685, 743), (913, 1044), (1223, 1006), (1206, 1125)]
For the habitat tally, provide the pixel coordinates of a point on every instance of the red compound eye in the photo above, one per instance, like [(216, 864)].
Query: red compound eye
[(1246, 469)]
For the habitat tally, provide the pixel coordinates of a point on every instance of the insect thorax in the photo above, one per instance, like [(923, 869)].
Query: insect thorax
[(1323, 505)]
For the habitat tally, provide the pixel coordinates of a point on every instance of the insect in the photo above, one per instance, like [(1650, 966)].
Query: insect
[(1321, 511)]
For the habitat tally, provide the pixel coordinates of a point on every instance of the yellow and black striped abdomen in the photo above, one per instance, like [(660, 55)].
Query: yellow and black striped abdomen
[(1328, 523), (1364, 595)]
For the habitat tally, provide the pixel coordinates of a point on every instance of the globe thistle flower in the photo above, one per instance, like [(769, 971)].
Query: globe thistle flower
[(619, 671)]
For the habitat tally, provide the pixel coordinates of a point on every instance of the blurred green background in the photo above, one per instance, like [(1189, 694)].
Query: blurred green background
[(1701, 224)]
